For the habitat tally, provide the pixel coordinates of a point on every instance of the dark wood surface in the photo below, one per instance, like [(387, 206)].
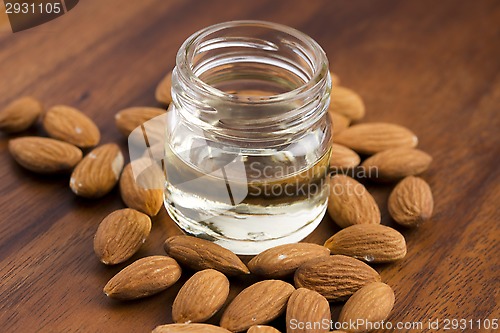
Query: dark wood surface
[(432, 66)]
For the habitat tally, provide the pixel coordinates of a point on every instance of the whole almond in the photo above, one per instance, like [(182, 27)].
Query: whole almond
[(283, 260), (262, 329), (339, 122), (120, 235), (69, 124), (343, 158), (371, 138), (189, 328), (350, 203), (199, 254), (200, 297), (411, 202), (371, 304), (162, 93), (129, 119), (20, 114), (369, 242), (347, 103), (144, 277), (394, 164), (141, 186), (336, 277), (258, 304), (43, 155), (309, 308), (98, 172)]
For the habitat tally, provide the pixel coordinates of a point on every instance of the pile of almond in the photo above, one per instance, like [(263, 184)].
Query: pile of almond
[(298, 281)]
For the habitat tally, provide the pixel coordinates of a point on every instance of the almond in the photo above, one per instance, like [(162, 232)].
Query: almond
[(69, 124), (155, 152), (347, 103), (120, 235), (307, 312), (336, 277), (411, 202), (371, 138), (189, 328), (371, 304), (258, 304), (394, 164), (162, 93), (343, 158), (129, 119), (20, 114), (144, 277), (98, 172), (200, 297), (199, 254), (283, 260), (371, 243), (143, 190), (262, 329), (44, 155), (350, 203), (335, 79), (149, 134), (339, 122)]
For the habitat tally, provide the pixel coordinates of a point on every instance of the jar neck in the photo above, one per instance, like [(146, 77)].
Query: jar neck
[(251, 81)]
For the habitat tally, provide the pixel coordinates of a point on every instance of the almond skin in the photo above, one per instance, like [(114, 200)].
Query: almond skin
[(189, 328), (98, 172), (129, 119), (200, 297), (258, 304), (43, 155), (20, 114), (371, 138), (335, 79), (372, 303), (336, 277), (143, 191), (283, 260), (69, 124), (347, 103), (162, 93), (343, 158), (394, 164), (149, 134), (411, 202), (307, 307), (199, 254), (120, 235), (144, 277), (350, 203), (339, 122), (369, 242), (262, 329)]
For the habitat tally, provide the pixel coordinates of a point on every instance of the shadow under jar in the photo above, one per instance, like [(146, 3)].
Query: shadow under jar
[(248, 136)]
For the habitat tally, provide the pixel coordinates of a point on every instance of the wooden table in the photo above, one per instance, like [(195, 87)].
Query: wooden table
[(432, 66)]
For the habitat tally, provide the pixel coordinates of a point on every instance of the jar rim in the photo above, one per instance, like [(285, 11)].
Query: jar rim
[(320, 61)]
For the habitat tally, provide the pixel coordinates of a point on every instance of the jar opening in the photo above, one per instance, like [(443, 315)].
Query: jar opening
[(252, 62), (251, 80)]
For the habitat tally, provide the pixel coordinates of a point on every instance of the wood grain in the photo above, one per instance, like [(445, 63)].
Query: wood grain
[(432, 66)]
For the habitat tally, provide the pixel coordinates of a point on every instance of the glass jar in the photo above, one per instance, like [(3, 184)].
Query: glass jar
[(248, 136)]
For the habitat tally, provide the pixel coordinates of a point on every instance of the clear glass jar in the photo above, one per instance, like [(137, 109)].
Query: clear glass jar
[(248, 136)]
